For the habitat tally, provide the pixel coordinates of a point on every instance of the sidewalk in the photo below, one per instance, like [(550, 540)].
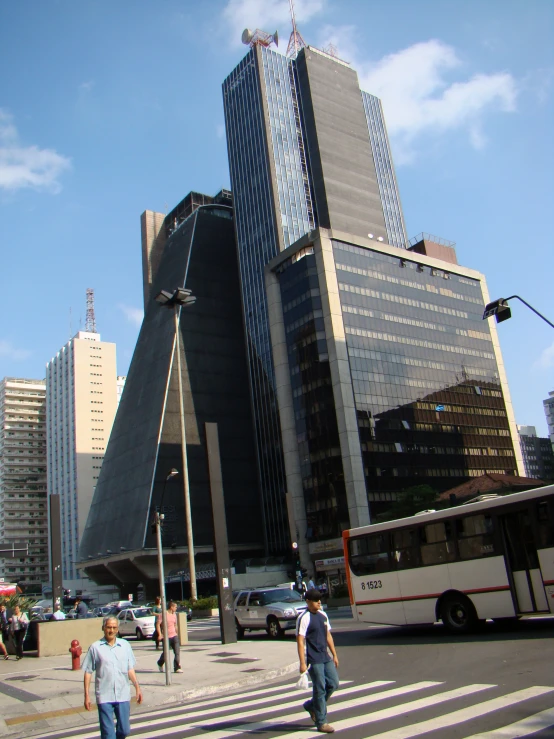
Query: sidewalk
[(39, 695)]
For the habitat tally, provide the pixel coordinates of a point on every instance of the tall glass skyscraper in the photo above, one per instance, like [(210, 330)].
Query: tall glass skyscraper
[(306, 149)]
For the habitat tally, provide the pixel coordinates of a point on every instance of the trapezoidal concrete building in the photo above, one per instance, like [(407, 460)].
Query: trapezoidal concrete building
[(118, 546)]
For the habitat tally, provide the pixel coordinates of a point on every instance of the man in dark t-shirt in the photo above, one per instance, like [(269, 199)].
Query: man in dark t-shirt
[(314, 641)]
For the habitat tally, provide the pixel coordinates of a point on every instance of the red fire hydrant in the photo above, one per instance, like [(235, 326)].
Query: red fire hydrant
[(76, 653)]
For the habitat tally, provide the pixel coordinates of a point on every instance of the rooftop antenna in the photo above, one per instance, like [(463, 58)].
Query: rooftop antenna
[(90, 324), (259, 38), (296, 42)]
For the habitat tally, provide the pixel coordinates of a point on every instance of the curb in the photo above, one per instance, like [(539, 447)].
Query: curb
[(186, 695), (180, 697)]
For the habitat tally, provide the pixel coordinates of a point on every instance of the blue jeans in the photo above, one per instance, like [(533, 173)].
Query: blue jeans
[(106, 713), (325, 681)]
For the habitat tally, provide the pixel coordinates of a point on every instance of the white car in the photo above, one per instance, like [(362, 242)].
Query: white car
[(139, 622)]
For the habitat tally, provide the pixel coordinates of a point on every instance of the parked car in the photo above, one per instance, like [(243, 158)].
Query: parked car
[(102, 611), (71, 614), (139, 622), (274, 610), (185, 609)]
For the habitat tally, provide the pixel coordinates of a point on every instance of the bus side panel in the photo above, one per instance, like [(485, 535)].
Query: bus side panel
[(420, 589), (546, 561), (378, 599), (486, 583)]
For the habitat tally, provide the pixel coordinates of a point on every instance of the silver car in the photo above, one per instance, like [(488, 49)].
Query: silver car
[(274, 610)]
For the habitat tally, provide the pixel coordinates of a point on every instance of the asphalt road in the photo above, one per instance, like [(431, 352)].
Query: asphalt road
[(396, 684)]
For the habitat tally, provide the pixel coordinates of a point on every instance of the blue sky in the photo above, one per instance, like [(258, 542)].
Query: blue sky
[(110, 108)]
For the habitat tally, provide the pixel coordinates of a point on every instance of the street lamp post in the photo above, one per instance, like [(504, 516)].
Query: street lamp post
[(176, 300), (158, 521), (501, 310)]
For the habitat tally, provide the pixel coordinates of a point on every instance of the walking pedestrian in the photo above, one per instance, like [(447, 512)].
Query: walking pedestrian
[(19, 623), (314, 642), (3, 631), (172, 636), (113, 661), (4, 624), (157, 608), (81, 609)]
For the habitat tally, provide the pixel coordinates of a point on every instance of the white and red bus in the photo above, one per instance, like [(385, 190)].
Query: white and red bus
[(488, 558)]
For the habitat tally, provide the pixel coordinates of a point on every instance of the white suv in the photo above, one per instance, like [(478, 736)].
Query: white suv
[(271, 609)]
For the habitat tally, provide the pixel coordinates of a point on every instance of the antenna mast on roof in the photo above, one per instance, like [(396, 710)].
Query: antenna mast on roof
[(90, 325), (296, 42)]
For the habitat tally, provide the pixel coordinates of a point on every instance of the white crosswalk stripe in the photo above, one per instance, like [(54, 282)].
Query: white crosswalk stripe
[(271, 709), (203, 625), (525, 727)]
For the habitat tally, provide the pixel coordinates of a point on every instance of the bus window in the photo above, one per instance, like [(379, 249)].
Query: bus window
[(545, 526), (369, 555), (405, 544), (475, 536), (437, 543)]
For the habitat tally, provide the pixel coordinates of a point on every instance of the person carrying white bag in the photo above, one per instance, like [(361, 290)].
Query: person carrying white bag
[(314, 642)]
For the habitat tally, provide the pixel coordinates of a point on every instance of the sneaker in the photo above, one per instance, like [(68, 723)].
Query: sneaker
[(179, 670), (308, 707), (325, 729), (161, 668)]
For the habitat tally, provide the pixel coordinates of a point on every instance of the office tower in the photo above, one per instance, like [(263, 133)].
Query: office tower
[(549, 413), (23, 507), (118, 545), (81, 402), (538, 457), (300, 156), (387, 378)]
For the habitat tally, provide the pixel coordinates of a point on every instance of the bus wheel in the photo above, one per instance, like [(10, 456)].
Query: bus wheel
[(458, 614)]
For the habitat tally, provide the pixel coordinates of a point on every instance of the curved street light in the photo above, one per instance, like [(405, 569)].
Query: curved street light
[(179, 298), (501, 310)]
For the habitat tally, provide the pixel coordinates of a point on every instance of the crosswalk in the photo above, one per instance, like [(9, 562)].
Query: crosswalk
[(381, 709), (203, 624)]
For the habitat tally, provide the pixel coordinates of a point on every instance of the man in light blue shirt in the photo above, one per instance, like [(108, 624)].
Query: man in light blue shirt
[(113, 661)]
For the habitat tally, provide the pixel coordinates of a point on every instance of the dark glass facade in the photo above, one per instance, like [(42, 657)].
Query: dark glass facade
[(314, 407), (286, 166), (428, 397)]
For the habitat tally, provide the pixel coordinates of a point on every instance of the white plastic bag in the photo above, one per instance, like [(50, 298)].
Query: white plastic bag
[(303, 683)]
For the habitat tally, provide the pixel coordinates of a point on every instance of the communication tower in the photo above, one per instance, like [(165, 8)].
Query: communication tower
[(296, 42), (90, 324)]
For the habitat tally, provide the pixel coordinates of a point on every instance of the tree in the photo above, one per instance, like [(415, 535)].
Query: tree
[(411, 500)]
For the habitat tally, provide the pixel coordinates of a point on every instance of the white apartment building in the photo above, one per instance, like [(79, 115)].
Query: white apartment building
[(81, 402), (120, 385), (549, 413), (23, 508)]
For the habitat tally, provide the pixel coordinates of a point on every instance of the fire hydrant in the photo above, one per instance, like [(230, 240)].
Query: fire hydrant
[(76, 653)]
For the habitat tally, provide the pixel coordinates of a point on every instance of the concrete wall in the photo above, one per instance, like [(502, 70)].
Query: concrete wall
[(54, 637)]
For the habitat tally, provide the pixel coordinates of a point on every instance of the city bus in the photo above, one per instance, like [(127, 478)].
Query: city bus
[(490, 558)]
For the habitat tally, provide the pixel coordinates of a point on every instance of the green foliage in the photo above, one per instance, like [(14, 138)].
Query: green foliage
[(204, 603), (25, 603), (410, 501)]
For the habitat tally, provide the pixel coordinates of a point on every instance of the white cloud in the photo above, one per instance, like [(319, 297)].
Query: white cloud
[(27, 166), (8, 350), (86, 86), (418, 95), (546, 359), (133, 315), (267, 15)]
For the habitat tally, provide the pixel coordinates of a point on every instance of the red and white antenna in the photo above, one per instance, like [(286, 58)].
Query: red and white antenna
[(296, 42), (90, 324)]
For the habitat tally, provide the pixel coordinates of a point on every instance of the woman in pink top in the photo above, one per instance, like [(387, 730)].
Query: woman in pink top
[(172, 635)]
